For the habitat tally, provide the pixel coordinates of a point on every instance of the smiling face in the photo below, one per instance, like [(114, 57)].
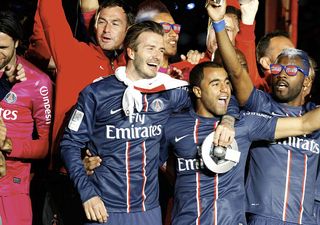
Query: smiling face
[(170, 38), (7, 50), (214, 93), (147, 57), (289, 89), (111, 26)]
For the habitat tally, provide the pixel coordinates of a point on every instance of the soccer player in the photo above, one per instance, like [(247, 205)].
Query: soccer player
[(201, 196), (26, 111), (281, 181), (125, 134)]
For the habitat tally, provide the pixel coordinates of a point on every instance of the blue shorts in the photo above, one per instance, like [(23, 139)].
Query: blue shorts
[(150, 217), (261, 220)]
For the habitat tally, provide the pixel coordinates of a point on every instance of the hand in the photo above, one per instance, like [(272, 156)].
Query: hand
[(7, 146), (175, 73), (193, 56), (224, 133), (15, 73), (249, 11), (91, 162), (3, 167), (3, 132), (95, 210), (216, 11)]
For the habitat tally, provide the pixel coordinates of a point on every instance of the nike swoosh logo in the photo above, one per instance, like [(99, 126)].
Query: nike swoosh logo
[(114, 111), (276, 114), (177, 139)]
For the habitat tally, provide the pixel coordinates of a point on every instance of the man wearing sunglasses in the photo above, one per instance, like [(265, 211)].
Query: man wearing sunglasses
[(156, 11), (282, 175)]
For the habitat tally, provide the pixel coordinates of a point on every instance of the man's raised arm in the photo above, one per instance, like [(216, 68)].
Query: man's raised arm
[(239, 77)]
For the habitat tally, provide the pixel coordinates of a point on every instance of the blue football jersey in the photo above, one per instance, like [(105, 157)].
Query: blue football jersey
[(127, 179), (201, 196), (282, 174)]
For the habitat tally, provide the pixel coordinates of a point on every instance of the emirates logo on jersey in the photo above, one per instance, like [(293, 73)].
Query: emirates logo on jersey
[(11, 97)]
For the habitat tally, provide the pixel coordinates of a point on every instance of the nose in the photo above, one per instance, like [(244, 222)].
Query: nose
[(172, 33), (224, 87), (282, 73), (106, 28)]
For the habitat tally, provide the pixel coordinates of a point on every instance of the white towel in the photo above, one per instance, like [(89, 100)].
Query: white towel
[(132, 97)]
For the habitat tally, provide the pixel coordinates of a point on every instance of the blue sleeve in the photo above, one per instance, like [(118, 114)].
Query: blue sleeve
[(259, 101), (259, 126), (180, 99), (76, 137), (164, 145), (233, 107)]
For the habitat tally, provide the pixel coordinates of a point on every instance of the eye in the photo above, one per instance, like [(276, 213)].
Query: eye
[(116, 23), (214, 84)]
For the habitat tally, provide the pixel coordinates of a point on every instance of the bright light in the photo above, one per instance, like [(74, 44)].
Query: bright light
[(190, 6)]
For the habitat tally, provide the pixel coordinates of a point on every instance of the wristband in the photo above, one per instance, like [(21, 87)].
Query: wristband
[(219, 25)]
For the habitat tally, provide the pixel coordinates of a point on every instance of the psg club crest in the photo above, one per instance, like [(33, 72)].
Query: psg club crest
[(157, 105), (11, 97)]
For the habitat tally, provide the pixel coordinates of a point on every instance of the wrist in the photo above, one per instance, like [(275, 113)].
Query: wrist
[(248, 20), (219, 25)]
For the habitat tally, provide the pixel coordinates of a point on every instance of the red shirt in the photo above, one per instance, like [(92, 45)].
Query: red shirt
[(78, 63), (28, 103)]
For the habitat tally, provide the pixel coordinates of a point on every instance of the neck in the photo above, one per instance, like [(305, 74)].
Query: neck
[(201, 111), (131, 72)]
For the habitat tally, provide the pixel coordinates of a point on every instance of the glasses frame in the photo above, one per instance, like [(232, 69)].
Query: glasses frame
[(175, 27), (283, 67)]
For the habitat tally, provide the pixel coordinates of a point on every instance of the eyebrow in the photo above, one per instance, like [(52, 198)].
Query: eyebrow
[(215, 80)]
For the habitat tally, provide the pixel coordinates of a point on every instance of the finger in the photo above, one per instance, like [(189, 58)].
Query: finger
[(9, 69), (87, 212), (93, 163), (3, 169), (89, 172), (88, 153), (97, 213), (92, 214), (104, 214), (216, 137), (223, 138), (20, 74), (3, 132)]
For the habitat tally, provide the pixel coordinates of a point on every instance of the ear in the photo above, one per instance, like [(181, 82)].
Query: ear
[(16, 44), (96, 19), (130, 53), (197, 91), (307, 83), (265, 62)]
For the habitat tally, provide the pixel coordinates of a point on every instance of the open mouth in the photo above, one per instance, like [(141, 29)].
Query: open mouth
[(223, 100), (106, 39), (153, 66), (282, 85), (174, 43)]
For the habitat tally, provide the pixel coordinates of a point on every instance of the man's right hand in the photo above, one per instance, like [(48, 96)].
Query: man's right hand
[(216, 11), (95, 210), (193, 56), (15, 73), (91, 162)]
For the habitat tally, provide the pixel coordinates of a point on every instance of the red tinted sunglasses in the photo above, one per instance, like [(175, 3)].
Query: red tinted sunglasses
[(168, 26), (291, 70)]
